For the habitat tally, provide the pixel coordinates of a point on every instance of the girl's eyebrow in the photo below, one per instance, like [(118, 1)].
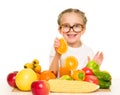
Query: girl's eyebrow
[(72, 25)]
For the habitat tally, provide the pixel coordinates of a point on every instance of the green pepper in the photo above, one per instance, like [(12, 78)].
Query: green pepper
[(104, 84), (93, 66)]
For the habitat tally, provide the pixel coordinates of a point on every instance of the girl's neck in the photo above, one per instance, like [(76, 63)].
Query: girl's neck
[(75, 45)]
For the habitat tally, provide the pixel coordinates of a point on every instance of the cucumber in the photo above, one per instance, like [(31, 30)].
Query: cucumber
[(103, 75)]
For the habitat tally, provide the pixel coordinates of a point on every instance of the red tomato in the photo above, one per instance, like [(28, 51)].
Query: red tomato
[(92, 79), (87, 71)]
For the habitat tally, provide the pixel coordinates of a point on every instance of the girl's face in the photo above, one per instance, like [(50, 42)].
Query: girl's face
[(72, 28)]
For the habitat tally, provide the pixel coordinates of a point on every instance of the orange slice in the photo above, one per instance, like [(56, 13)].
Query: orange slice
[(63, 46), (71, 62)]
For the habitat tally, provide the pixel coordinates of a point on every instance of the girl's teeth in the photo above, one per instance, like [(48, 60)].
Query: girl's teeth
[(72, 35)]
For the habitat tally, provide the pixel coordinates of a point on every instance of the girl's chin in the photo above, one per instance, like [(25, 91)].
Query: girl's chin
[(71, 41)]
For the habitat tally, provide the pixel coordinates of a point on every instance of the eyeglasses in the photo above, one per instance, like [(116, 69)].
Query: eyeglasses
[(76, 28)]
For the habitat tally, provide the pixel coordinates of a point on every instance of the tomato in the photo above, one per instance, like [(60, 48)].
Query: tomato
[(88, 71), (92, 79)]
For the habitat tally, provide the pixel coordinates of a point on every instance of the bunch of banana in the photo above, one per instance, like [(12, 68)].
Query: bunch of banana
[(34, 66)]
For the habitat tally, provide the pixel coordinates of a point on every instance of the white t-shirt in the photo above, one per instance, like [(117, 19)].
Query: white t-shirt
[(81, 53)]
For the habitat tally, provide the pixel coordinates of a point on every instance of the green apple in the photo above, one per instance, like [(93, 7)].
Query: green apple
[(94, 66), (65, 77)]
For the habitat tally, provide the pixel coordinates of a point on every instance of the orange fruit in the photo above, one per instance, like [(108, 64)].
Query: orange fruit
[(78, 75), (63, 46), (71, 62), (38, 75), (47, 75), (64, 71)]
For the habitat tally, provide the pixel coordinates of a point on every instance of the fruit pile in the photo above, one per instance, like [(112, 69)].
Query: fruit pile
[(87, 79), (31, 78)]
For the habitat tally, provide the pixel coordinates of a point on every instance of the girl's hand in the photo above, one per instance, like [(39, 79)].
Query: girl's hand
[(60, 45), (98, 57), (56, 43)]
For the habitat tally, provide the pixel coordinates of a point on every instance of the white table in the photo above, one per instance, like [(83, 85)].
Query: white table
[(5, 89)]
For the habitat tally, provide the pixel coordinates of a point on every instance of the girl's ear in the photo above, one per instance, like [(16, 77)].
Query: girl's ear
[(59, 30)]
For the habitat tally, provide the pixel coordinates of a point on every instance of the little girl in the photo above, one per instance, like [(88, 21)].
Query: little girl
[(72, 25)]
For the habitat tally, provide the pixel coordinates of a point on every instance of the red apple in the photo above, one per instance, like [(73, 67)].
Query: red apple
[(40, 87), (11, 78)]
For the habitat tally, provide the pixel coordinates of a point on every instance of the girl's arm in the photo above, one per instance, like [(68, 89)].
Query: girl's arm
[(54, 66)]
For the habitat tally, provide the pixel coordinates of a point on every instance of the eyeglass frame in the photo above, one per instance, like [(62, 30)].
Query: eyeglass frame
[(72, 27)]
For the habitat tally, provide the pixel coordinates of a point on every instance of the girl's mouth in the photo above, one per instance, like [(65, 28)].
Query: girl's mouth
[(71, 35)]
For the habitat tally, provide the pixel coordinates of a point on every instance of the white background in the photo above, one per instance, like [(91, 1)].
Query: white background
[(28, 29)]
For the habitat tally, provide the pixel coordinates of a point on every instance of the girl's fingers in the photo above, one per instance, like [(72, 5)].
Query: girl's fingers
[(98, 57), (56, 43), (89, 59)]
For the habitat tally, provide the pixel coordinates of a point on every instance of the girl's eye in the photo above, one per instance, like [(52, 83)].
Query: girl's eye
[(77, 25), (66, 25)]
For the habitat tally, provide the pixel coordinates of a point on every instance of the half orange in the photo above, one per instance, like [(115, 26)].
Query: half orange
[(63, 46)]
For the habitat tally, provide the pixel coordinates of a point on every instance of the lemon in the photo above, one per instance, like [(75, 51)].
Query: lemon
[(24, 79)]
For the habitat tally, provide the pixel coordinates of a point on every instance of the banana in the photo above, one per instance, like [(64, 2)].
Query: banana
[(37, 68), (34, 65), (35, 61), (29, 65)]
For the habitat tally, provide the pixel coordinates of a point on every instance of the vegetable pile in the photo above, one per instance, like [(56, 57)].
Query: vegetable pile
[(104, 77)]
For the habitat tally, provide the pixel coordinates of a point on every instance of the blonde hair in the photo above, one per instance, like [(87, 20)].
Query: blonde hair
[(82, 14)]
